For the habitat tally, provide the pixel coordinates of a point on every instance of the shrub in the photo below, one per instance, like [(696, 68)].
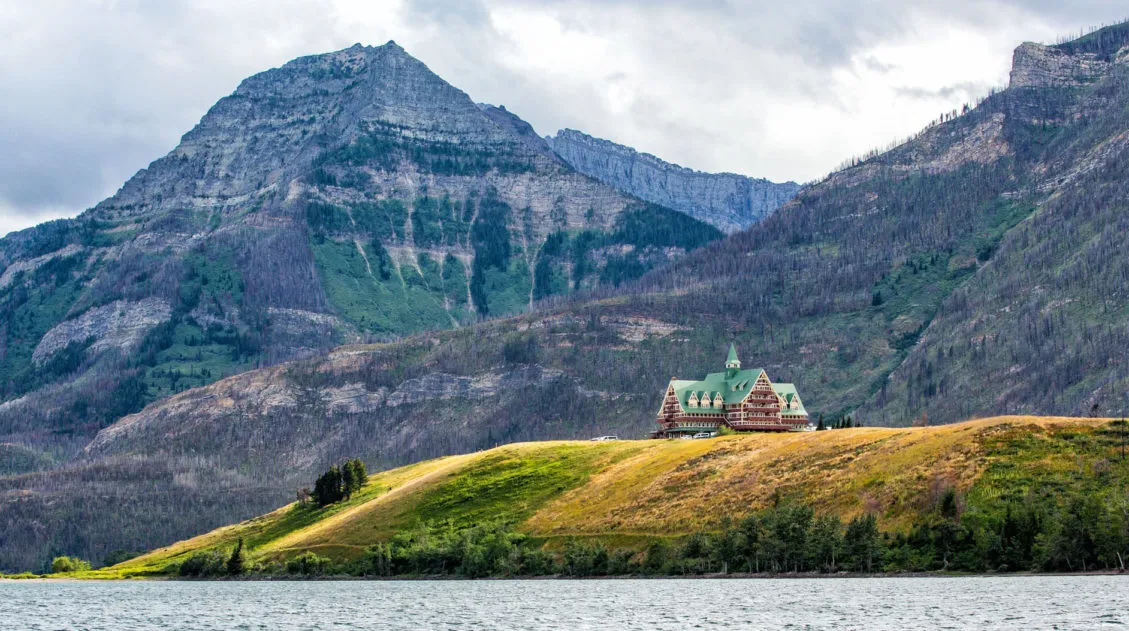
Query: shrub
[(210, 563), (64, 564), (308, 564)]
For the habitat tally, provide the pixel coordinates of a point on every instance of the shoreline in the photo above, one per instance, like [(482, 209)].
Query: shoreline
[(619, 577)]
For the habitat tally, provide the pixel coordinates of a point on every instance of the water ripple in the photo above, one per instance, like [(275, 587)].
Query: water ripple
[(1029, 602)]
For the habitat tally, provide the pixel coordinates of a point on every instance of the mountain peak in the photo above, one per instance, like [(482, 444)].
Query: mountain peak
[(292, 113)]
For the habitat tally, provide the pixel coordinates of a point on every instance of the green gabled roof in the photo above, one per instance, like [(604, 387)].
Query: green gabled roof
[(784, 388), (788, 392), (732, 390)]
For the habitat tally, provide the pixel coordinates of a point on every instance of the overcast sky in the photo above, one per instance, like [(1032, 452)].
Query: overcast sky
[(95, 90)]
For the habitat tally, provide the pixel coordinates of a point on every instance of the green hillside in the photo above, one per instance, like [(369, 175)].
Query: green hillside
[(965, 486)]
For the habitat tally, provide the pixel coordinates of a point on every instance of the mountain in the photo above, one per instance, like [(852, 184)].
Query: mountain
[(727, 201), (976, 269), (634, 494), (345, 197)]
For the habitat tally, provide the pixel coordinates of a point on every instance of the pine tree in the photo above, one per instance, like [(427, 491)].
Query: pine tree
[(348, 479), (820, 427), (327, 489), (863, 543), (235, 561), (340, 482), (360, 472), (334, 484), (1121, 426), (321, 493)]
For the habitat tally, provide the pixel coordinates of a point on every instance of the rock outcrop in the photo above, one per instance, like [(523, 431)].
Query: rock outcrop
[(119, 325), (1039, 66), (727, 201)]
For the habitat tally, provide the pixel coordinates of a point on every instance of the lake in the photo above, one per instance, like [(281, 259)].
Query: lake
[(1027, 602)]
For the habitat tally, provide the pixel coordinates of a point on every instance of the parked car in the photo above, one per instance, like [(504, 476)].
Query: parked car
[(601, 438), (704, 435)]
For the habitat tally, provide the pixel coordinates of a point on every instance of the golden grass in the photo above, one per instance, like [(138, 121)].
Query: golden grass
[(677, 488)]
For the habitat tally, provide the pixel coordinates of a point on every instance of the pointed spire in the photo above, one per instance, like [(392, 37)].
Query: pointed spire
[(732, 364)]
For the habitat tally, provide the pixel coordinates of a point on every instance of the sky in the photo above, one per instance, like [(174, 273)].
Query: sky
[(94, 90)]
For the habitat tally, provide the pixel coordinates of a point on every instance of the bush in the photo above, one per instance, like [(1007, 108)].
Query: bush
[(308, 564), (204, 564), (64, 564)]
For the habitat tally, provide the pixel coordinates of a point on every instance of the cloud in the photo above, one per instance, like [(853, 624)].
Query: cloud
[(96, 90), (966, 91)]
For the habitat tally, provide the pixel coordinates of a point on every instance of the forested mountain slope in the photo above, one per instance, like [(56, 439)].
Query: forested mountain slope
[(728, 201), (340, 198), (975, 269), (978, 268)]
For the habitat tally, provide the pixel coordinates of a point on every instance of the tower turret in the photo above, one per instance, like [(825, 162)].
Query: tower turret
[(732, 364)]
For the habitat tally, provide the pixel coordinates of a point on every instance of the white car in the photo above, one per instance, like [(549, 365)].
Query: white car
[(704, 435), (603, 438)]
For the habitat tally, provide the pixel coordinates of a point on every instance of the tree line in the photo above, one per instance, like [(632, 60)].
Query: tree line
[(1082, 534)]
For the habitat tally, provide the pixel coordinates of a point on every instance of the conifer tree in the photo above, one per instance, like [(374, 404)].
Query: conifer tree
[(360, 473), (327, 489), (235, 561), (334, 483), (340, 482), (863, 542), (348, 479)]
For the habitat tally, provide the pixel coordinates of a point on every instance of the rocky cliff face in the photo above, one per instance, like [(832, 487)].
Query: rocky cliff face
[(727, 201), (1039, 66)]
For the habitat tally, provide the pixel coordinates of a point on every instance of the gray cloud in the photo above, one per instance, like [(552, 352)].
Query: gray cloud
[(95, 91), (966, 91)]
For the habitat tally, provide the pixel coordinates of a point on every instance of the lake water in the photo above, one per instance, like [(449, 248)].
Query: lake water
[(1029, 602)]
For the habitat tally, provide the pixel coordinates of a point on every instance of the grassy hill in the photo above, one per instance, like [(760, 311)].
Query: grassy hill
[(629, 494)]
